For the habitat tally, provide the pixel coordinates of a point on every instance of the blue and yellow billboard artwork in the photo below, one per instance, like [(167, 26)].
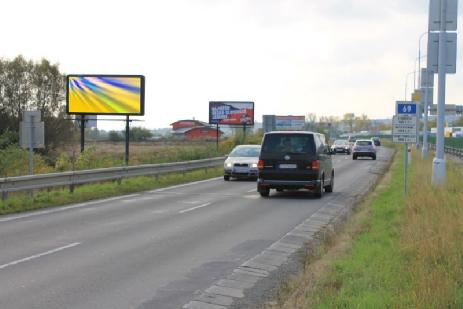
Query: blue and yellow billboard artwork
[(105, 94)]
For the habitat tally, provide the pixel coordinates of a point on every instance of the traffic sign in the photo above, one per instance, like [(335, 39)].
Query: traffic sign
[(38, 134), (416, 95), (433, 52), (450, 16), (427, 78), (404, 129), (406, 108)]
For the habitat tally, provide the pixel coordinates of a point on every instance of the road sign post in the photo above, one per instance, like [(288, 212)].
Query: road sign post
[(442, 17), (426, 84), (404, 130)]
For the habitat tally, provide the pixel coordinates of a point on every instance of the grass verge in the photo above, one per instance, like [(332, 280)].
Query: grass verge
[(396, 251), (44, 199)]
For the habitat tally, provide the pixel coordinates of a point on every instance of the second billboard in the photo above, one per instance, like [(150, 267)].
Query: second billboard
[(231, 113)]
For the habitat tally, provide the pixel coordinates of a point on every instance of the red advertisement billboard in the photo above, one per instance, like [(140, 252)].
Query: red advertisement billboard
[(231, 113)]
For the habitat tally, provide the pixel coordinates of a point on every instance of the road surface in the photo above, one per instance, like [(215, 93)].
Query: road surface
[(156, 249)]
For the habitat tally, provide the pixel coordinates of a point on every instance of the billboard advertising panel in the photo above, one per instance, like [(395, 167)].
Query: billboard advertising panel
[(285, 123), (231, 113), (105, 94)]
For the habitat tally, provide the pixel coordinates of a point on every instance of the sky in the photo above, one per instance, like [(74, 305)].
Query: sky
[(291, 57)]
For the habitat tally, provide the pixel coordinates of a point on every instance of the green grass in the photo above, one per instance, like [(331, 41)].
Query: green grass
[(44, 199), (409, 253), (369, 276)]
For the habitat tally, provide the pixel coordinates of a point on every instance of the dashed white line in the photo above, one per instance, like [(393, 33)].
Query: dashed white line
[(184, 185), (80, 205), (194, 208), (36, 256)]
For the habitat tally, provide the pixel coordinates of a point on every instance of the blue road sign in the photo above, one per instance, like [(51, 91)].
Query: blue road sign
[(406, 108)]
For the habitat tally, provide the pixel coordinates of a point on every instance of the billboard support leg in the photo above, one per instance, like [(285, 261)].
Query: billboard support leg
[(217, 140), (82, 133), (244, 133), (127, 139)]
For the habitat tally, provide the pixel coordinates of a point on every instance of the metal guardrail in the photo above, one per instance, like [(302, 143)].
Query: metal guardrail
[(71, 179), (457, 152)]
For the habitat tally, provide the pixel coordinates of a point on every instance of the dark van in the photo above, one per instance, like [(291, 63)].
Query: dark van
[(291, 160)]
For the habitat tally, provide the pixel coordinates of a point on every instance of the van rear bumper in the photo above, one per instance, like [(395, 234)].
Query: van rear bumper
[(287, 184)]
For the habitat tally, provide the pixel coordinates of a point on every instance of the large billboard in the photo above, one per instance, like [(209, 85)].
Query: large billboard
[(105, 94), (231, 113)]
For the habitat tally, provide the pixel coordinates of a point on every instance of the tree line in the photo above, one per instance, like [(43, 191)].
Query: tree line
[(28, 85)]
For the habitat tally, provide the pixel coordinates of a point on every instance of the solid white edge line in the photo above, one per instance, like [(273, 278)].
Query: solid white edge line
[(194, 208), (251, 191), (36, 256)]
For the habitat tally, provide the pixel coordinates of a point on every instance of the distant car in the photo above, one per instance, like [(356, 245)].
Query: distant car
[(364, 148), (242, 162), (376, 140), (341, 145), (351, 139), (293, 160)]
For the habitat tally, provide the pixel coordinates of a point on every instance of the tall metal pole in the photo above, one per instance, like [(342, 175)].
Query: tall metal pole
[(425, 149), (438, 164), (127, 138), (405, 168), (82, 133)]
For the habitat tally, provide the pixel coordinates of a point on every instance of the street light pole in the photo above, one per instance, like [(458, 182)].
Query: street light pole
[(438, 164)]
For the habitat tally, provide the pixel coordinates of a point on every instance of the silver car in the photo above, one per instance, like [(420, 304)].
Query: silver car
[(364, 148), (242, 162)]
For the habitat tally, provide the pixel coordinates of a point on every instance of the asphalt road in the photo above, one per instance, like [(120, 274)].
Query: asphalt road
[(152, 250)]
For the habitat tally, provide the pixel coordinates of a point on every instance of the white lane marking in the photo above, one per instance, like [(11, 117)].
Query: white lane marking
[(194, 208), (191, 202), (50, 211), (36, 256), (184, 185), (252, 190)]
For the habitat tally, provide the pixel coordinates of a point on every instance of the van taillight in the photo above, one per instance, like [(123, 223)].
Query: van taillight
[(315, 165), (260, 164)]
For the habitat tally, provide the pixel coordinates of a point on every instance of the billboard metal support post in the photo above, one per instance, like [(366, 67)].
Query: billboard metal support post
[(82, 133), (217, 138), (438, 164), (31, 146), (127, 139), (244, 132)]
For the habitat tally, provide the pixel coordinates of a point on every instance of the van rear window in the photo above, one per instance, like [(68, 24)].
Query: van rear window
[(289, 144)]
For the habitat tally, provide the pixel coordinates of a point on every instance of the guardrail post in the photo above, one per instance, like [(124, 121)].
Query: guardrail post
[(71, 188), (4, 195), (156, 177), (206, 170)]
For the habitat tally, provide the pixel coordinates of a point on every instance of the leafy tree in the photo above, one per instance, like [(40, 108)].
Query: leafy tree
[(138, 134), (348, 120), (115, 136), (25, 85)]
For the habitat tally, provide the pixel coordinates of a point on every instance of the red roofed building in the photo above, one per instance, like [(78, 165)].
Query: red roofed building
[(194, 130)]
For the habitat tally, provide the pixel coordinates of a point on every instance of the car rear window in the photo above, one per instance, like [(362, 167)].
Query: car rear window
[(289, 144), (340, 142), (245, 152), (363, 143)]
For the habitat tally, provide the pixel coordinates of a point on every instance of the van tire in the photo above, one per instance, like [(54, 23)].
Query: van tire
[(319, 190), (264, 192), (329, 188), (226, 177)]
